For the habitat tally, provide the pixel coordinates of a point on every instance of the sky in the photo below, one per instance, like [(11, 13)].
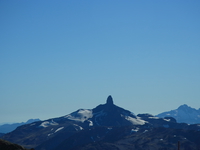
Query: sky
[(59, 56)]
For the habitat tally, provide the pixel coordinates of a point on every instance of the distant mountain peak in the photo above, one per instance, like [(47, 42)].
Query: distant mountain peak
[(104, 123), (109, 100), (184, 106), (183, 114), (5, 128), (32, 120)]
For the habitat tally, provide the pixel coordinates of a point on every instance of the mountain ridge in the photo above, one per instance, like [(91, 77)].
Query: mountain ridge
[(104, 122), (5, 128), (183, 114)]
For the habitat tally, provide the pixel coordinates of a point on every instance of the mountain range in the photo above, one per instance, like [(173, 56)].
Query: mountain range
[(107, 126), (183, 114), (5, 128)]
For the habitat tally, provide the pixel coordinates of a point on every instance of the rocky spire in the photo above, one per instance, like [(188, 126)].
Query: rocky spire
[(109, 100)]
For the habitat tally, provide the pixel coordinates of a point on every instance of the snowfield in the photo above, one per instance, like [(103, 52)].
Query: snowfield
[(135, 121), (80, 115)]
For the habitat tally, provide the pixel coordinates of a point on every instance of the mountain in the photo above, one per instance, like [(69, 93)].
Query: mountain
[(5, 128), (183, 113), (105, 127), (1, 134), (129, 138)]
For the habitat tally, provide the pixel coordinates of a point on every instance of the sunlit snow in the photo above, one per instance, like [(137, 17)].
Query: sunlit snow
[(91, 123), (135, 121), (134, 130), (167, 120), (154, 118), (48, 123), (78, 127), (80, 115), (145, 131), (59, 129)]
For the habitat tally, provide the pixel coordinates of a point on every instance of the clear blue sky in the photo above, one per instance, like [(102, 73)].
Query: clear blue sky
[(59, 56)]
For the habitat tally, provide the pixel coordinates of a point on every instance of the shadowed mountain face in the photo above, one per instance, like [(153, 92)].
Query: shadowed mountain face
[(107, 124)]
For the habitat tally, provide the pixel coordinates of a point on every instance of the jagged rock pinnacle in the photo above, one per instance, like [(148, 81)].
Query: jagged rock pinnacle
[(109, 100)]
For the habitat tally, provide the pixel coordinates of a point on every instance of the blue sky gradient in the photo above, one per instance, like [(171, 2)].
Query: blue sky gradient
[(59, 56)]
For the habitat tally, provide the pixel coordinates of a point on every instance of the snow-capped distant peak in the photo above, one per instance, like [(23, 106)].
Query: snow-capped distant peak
[(183, 113)]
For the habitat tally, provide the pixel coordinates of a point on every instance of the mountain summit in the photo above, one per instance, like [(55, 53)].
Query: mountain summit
[(183, 114), (109, 100), (5, 128), (111, 115), (104, 123)]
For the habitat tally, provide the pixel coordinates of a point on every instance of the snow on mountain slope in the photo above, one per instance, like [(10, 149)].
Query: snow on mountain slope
[(107, 114), (48, 123), (80, 115), (183, 114), (50, 133), (111, 115), (135, 121)]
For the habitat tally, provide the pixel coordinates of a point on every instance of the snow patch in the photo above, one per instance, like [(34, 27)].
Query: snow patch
[(48, 123), (59, 129), (91, 123), (78, 127), (135, 121), (167, 120), (80, 115), (145, 131), (154, 118), (50, 134), (134, 130)]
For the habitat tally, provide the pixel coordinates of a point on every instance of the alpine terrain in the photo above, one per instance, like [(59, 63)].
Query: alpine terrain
[(5, 128), (107, 127), (183, 114)]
